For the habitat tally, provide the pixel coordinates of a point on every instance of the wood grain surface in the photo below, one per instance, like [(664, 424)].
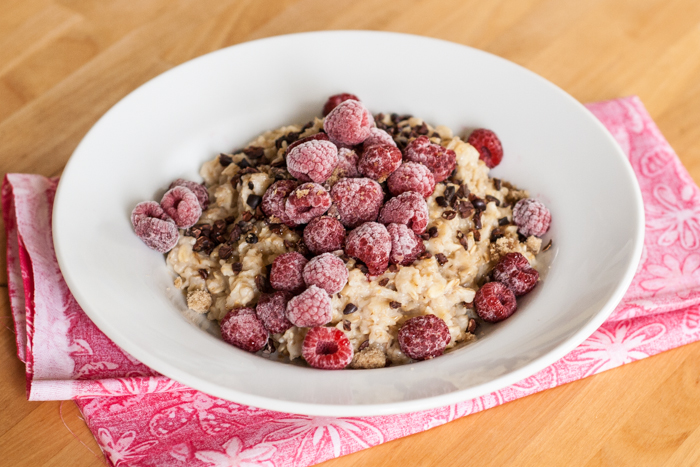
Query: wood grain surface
[(63, 63)]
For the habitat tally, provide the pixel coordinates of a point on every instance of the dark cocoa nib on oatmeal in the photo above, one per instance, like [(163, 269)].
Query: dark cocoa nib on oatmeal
[(350, 308), (225, 160)]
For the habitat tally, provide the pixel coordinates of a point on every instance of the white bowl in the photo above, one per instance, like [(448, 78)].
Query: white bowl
[(169, 126)]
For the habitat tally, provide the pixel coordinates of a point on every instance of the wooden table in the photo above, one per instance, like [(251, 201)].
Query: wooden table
[(63, 63)]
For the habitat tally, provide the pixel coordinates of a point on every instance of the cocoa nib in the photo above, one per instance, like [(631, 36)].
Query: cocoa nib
[(393, 304), (225, 252), (349, 309), (225, 160), (441, 259)]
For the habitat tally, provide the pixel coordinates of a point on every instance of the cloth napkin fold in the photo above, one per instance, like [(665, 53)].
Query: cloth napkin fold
[(142, 418)]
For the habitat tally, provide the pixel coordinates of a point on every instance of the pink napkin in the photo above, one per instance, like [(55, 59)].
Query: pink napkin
[(141, 418)]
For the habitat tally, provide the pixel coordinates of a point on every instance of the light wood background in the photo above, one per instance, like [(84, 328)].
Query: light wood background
[(63, 63)]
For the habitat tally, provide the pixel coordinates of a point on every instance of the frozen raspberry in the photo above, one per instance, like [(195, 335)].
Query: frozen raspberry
[(307, 201), (275, 198), (312, 161), (514, 271), (347, 163), (310, 308), (489, 146), (154, 227), (326, 271), (379, 161), (424, 337), (182, 206), (240, 327), (324, 234), (532, 217), (440, 160), (327, 349), (406, 246), (378, 136), (336, 99), (271, 311), (412, 176), (494, 302), (199, 191), (349, 123), (317, 137), (286, 272), (408, 208), (371, 244), (357, 200)]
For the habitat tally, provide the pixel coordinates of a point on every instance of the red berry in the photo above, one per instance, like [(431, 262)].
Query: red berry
[(271, 311), (440, 160), (489, 146), (378, 136), (412, 176), (379, 161), (146, 210), (199, 191), (408, 208), (275, 197), (371, 244), (424, 337), (495, 302), (182, 206), (307, 201), (310, 308), (532, 217), (349, 123), (515, 272), (406, 246), (317, 137), (240, 327), (154, 227), (286, 272), (357, 200), (324, 234), (336, 99), (327, 348), (347, 163), (312, 161), (326, 271)]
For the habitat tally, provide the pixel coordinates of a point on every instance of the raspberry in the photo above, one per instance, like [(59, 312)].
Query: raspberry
[(371, 244), (286, 272), (408, 208), (270, 310), (347, 163), (312, 161), (406, 246), (324, 234), (327, 349), (326, 271), (199, 191), (494, 302), (378, 136), (182, 206), (275, 197), (349, 123), (317, 137), (532, 217), (424, 337), (440, 160), (154, 227), (515, 272), (412, 176), (336, 99), (489, 146), (240, 327), (310, 308), (379, 161), (307, 201), (358, 200)]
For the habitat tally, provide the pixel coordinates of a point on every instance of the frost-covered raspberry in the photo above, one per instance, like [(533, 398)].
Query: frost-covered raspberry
[(312, 161), (324, 234), (371, 244), (489, 146), (310, 308), (286, 272), (275, 198), (347, 163), (379, 161), (199, 191), (424, 337), (326, 271), (154, 227), (515, 272), (532, 217), (406, 246), (408, 208), (271, 310), (336, 99), (307, 201), (242, 328), (358, 200), (317, 137), (327, 348), (412, 176), (349, 123), (440, 160), (378, 136), (495, 302), (182, 206)]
